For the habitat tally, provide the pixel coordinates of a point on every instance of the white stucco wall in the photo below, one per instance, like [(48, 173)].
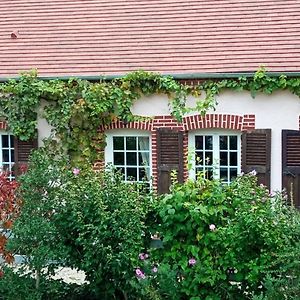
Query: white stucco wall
[(277, 111), (44, 129)]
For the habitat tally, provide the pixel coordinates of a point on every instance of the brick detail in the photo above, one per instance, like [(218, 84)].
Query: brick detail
[(222, 121), (154, 159), (3, 125), (248, 122), (299, 122), (146, 125)]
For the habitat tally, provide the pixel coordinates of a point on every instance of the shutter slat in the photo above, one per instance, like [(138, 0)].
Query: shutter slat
[(169, 157), (22, 152), (256, 154), (291, 165)]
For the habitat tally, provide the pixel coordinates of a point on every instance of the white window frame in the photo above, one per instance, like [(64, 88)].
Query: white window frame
[(9, 148), (216, 149), (110, 134)]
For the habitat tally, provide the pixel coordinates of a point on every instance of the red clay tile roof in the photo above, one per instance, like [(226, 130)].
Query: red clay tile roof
[(110, 37)]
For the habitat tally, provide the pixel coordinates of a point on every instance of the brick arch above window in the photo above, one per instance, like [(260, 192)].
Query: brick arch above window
[(221, 121), (139, 125)]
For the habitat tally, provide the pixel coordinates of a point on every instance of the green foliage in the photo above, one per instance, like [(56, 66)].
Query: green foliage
[(80, 219), (76, 108), (34, 233), (222, 241)]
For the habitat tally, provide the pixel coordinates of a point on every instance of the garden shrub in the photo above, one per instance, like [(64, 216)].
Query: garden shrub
[(9, 210), (222, 240), (219, 241), (80, 219)]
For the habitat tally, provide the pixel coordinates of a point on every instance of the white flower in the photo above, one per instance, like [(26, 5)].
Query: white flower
[(212, 227)]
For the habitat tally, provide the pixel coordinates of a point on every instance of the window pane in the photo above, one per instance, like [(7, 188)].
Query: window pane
[(118, 142), (208, 142), (224, 174), (144, 174), (6, 167), (208, 158), (131, 158), (143, 143), (12, 158), (223, 142), (119, 158), (209, 173), (130, 143), (199, 158), (233, 174), (5, 154), (223, 158), (5, 141), (132, 174), (233, 142), (199, 142), (144, 159), (11, 141), (233, 158)]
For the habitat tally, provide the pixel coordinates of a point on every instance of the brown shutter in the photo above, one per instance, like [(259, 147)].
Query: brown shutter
[(169, 157), (256, 154), (291, 165), (22, 153)]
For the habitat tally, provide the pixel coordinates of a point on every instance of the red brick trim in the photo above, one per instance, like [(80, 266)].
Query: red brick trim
[(248, 122), (222, 121), (3, 125), (145, 125)]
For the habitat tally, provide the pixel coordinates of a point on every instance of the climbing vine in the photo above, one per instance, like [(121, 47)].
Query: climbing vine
[(76, 108)]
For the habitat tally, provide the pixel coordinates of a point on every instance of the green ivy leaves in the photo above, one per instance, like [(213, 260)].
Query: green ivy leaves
[(76, 108)]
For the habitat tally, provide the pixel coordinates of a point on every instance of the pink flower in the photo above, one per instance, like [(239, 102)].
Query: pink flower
[(140, 274), (76, 171), (192, 261), (143, 256), (154, 270), (212, 227)]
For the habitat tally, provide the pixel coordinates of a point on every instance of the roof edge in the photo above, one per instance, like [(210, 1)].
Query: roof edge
[(180, 76)]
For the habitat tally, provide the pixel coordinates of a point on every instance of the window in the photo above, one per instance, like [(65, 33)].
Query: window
[(129, 151), (7, 153), (216, 154)]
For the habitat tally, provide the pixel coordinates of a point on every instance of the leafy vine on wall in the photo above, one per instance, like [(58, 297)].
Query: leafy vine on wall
[(76, 108)]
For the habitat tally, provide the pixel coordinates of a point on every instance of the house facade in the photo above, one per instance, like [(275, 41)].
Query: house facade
[(190, 41)]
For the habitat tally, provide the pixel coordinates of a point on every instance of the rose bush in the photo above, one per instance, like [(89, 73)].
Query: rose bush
[(222, 241)]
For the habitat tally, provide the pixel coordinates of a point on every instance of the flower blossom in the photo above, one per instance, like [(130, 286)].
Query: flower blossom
[(154, 269), (76, 171), (143, 256), (212, 227), (253, 173), (140, 274), (192, 261)]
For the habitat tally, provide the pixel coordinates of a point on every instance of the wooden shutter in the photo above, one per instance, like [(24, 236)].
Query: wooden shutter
[(256, 154), (169, 157), (291, 165), (22, 153)]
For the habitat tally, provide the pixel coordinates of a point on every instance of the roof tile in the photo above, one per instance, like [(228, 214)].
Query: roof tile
[(100, 37)]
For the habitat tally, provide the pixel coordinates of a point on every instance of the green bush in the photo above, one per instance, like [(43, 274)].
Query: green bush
[(221, 240), (80, 219)]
